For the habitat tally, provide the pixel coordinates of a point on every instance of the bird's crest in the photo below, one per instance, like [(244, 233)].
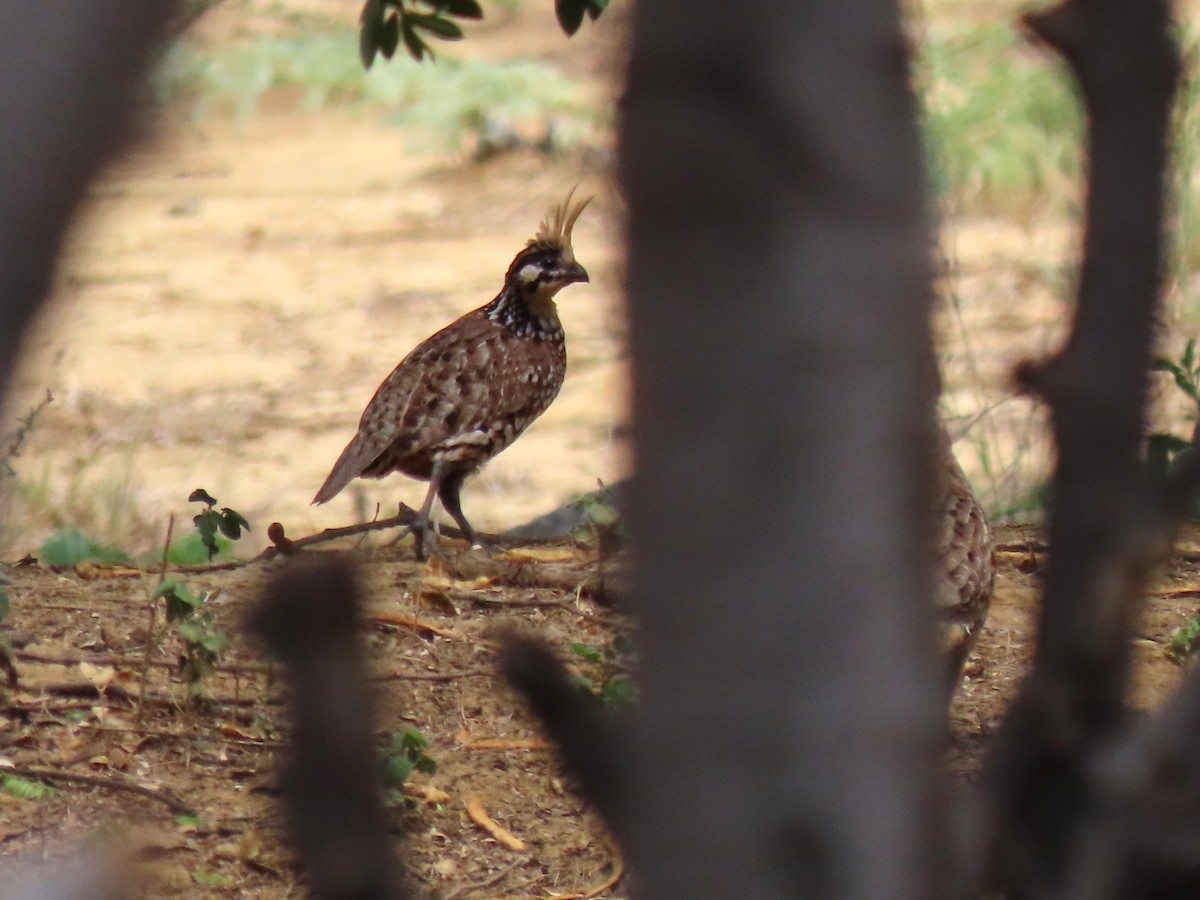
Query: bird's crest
[(555, 230)]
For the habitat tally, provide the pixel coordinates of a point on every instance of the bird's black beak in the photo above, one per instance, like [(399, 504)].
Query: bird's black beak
[(570, 274)]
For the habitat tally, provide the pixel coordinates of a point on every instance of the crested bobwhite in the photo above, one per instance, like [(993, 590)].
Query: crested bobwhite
[(965, 567), (467, 392)]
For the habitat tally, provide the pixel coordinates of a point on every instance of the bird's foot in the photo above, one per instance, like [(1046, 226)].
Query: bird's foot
[(425, 540), (477, 543)]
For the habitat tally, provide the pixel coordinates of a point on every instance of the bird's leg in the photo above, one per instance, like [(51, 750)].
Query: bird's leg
[(421, 527), (448, 491)]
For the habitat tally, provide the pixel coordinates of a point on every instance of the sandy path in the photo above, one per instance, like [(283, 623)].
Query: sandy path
[(234, 296)]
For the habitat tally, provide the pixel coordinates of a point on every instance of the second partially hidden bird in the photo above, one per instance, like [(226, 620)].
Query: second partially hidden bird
[(467, 392)]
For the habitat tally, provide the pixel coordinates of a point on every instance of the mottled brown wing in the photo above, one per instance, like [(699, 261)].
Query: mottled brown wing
[(966, 567), (378, 427), (462, 395)]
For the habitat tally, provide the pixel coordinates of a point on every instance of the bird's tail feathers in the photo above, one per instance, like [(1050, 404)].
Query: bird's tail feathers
[(348, 466)]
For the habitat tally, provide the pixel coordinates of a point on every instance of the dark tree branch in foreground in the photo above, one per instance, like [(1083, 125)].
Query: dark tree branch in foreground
[(1108, 523), (312, 620), (585, 738), (779, 289), (68, 77)]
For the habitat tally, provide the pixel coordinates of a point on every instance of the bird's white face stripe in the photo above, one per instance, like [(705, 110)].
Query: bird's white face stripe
[(529, 272)]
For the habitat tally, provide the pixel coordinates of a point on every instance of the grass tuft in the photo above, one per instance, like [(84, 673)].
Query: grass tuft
[(448, 101)]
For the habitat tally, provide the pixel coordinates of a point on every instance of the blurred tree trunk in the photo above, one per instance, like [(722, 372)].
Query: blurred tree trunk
[(779, 288), (68, 75)]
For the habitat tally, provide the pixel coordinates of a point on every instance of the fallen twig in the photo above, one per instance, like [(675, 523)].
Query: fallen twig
[(499, 744), (495, 879), (116, 691), (573, 579), (131, 662), (477, 814), (1176, 593), (384, 618), (110, 783), (485, 600), (182, 736), (617, 873), (429, 676)]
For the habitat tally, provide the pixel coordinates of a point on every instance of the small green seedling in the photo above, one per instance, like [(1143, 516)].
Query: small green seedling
[(211, 522), (405, 754), (614, 687), (1166, 453), (1183, 641), (203, 642), (1185, 371)]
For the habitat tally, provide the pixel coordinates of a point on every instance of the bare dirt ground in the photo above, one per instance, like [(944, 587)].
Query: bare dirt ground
[(82, 711), (231, 298)]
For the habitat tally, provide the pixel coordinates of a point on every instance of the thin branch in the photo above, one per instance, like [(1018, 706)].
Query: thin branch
[(404, 518), (110, 783), (24, 428), (1108, 524), (187, 736), (487, 882), (151, 626), (430, 676), (311, 618), (132, 662)]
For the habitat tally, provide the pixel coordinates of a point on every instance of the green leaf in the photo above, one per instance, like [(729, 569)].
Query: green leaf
[(570, 14), (416, 47), (443, 28), (370, 31), (181, 603), (207, 524), (618, 691), (69, 547), (210, 879), (1162, 364), (215, 642), (464, 9), (1158, 457), (25, 788), (1172, 442), (190, 550), (389, 36), (5, 605), (588, 652), (200, 495), (411, 739), (622, 646), (1184, 381), (202, 635), (595, 8), (231, 523), (1183, 640), (1189, 355), (581, 683), (409, 745), (396, 769)]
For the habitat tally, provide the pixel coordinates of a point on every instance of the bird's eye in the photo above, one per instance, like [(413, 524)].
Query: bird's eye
[(530, 272)]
